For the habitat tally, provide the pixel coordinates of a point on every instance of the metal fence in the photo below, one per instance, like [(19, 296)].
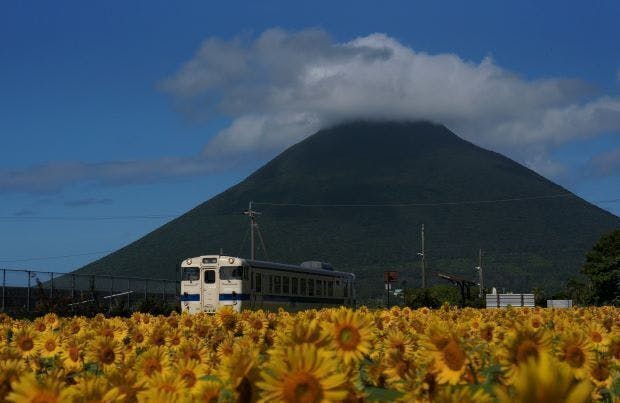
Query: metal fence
[(32, 291), (505, 300)]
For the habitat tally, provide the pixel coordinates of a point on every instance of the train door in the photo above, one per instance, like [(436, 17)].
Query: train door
[(210, 290)]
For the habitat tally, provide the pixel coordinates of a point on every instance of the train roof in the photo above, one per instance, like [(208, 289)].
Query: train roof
[(298, 268)]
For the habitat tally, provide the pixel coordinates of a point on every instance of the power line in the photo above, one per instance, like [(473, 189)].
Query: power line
[(453, 203), (15, 260)]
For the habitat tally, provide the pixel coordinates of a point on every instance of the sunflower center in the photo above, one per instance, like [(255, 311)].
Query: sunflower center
[(614, 349), (50, 345), (74, 354), (26, 344), (596, 337), (151, 366), (600, 373), (487, 333), (302, 387), (107, 356), (348, 338), (453, 356), (189, 377), (526, 350), (44, 397), (159, 340), (575, 357)]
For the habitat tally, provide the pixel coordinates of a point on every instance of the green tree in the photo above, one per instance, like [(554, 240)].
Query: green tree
[(603, 269)]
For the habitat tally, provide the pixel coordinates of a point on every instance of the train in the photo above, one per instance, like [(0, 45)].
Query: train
[(213, 281)]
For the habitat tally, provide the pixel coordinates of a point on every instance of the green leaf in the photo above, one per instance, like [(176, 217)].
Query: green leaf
[(381, 395)]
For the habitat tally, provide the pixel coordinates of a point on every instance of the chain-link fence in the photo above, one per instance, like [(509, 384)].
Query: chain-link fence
[(30, 291)]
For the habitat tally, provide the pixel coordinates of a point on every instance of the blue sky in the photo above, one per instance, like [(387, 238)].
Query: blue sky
[(102, 127)]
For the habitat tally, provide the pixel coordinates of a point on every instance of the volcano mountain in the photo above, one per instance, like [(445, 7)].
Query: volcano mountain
[(357, 194)]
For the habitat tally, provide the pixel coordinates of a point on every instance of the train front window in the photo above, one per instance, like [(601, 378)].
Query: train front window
[(231, 272), (191, 274)]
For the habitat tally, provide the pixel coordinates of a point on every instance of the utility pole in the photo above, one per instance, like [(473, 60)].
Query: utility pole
[(253, 224), (423, 261), (252, 214), (479, 268)]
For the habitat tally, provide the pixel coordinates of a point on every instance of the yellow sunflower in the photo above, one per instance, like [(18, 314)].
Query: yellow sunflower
[(520, 344), (576, 351), (48, 344), (10, 371), (105, 352), (189, 350), (601, 374), (28, 389), (95, 389), (190, 371), (126, 381), (226, 319), (449, 356), (307, 374), (169, 384), (138, 336), (597, 336), (207, 391), (73, 354), (544, 380), (240, 369), (300, 331), (157, 337), (174, 339), (351, 335), (24, 341), (462, 395), (152, 361)]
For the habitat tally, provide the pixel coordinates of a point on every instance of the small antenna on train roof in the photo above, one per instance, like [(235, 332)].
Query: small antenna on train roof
[(253, 224)]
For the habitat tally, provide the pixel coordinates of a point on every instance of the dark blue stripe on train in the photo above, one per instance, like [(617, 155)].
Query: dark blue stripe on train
[(236, 297), (270, 298), (311, 300)]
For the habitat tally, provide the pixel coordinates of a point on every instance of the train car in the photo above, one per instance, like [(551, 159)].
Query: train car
[(212, 281)]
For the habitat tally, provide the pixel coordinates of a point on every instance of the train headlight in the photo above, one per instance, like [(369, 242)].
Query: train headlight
[(231, 260), (189, 261)]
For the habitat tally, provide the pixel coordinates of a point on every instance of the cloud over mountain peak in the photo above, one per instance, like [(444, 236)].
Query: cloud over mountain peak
[(282, 86)]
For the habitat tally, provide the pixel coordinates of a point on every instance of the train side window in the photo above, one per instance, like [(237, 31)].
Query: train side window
[(337, 283), (270, 284), (302, 286), (246, 272), (258, 282), (311, 287), (330, 288), (209, 276), (325, 287), (319, 288), (285, 283), (346, 289), (278, 285), (294, 285)]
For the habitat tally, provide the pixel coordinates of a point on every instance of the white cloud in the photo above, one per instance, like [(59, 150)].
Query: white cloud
[(55, 176), (281, 87)]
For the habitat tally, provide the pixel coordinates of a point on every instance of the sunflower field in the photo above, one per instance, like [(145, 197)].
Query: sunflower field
[(339, 354)]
